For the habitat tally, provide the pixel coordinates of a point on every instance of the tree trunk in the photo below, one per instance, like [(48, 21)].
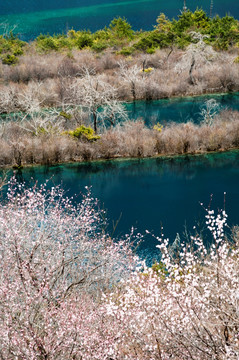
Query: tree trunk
[(191, 78), (95, 121)]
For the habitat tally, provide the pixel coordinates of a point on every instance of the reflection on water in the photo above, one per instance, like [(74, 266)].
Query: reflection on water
[(179, 109), (149, 193), (166, 110)]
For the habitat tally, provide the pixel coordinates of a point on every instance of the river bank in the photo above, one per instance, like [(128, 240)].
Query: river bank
[(131, 139)]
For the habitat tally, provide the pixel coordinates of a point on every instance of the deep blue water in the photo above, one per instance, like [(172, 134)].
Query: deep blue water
[(56, 16), (150, 193)]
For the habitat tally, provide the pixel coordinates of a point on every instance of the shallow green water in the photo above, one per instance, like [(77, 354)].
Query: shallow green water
[(151, 193), (35, 17)]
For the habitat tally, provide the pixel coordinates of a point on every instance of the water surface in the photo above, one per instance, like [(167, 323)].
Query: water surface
[(179, 109), (55, 16), (150, 193)]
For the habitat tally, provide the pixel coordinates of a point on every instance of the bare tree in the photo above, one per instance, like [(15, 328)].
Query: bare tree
[(209, 111), (195, 55), (98, 97), (131, 75)]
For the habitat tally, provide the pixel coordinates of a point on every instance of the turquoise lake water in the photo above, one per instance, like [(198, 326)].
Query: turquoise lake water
[(179, 109), (150, 193), (55, 16), (176, 109)]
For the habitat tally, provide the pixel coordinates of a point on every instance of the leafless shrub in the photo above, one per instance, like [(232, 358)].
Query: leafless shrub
[(8, 99), (108, 61), (196, 71), (132, 76), (32, 67), (98, 97), (85, 59), (196, 55), (209, 111), (41, 140), (68, 68), (131, 139), (229, 78)]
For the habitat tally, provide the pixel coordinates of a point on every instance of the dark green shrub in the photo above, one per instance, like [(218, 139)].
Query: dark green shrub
[(155, 39), (47, 43), (126, 51), (10, 48), (17, 51), (9, 59), (84, 40), (150, 51), (99, 46), (120, 28), (104, 34), (224, 32), (64, 42)]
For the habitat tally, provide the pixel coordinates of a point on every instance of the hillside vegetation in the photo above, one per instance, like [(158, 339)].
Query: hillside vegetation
[(61, 96)]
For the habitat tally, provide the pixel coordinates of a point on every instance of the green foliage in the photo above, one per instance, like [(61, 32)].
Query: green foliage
[(154, 40), (47, 43), (126, 51), (189, 21), (160, 269), (99, 46), (84, 39), (103, 35), (150, 51), (163, 24), (120, 28), (10, 48), (83, 132), (9, 59), (236, 61), (222, 33), (65, 115), (72, 34)]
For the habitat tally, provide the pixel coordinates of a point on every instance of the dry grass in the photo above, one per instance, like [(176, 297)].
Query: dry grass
[(55, 72), (131, 139)]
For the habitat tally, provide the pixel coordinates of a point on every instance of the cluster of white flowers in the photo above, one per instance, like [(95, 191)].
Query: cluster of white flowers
[(184, 307)]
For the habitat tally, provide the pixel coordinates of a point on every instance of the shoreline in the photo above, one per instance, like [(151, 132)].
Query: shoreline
[(126, 157), (119, 159)]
